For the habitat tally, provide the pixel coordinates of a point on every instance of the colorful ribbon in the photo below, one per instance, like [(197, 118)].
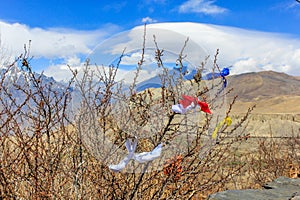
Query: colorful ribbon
[(227, 121), (143, 157), (188, 102)]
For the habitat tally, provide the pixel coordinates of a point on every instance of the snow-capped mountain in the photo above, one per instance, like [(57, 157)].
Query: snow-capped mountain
[(17, 84)]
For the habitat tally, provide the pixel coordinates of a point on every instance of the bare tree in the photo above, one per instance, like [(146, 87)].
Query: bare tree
[(53, 151)]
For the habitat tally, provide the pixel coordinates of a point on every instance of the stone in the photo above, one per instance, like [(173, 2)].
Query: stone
[(279, 189)]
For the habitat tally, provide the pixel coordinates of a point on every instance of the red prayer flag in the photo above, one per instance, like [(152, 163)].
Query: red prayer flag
[(204, 107), (187, 100)]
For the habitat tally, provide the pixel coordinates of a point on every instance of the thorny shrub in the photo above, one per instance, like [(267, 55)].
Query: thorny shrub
[(49, 150)]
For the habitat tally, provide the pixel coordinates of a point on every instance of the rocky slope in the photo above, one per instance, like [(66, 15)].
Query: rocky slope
[(277, 99)]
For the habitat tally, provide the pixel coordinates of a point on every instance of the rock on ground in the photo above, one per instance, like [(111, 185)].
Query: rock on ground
[(280, 189)]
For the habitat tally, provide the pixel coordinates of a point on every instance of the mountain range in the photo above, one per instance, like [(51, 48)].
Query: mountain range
[(271, 91), (19, 83), (276, 96)]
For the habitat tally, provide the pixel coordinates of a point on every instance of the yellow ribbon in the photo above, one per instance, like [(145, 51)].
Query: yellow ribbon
[(227, 121)]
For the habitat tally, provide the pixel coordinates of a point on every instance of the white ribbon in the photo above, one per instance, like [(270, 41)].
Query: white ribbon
[(178, 108), (139, 157)]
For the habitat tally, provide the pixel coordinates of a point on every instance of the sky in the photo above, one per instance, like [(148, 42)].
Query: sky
[(64, 32), (267, 15)]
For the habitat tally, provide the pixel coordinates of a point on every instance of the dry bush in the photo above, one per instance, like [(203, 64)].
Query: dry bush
[(274, 157), (49, 151)]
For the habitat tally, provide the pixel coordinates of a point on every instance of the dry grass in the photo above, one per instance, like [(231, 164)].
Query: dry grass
[(47, 154)]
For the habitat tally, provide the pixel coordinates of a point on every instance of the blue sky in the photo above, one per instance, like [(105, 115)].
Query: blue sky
[(65, 31), (265, 15)]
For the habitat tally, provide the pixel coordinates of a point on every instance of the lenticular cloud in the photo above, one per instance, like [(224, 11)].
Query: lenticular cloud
[(243, 48)]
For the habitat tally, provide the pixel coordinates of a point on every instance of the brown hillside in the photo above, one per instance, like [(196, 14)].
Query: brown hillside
[(277, 99), (264, 85)]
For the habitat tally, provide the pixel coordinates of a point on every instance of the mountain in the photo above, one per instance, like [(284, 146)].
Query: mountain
[(272, 92), (276, 96), (265, 84), (18, 82), (277, 99), (155, 81)]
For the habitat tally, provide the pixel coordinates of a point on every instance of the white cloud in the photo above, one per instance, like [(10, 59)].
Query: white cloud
[(5, 54), (135, 57), (245, 50), (51, 43), (62, 72), (245, 65), (167, 39), (148, 20), (286, 6), (201, 6)]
